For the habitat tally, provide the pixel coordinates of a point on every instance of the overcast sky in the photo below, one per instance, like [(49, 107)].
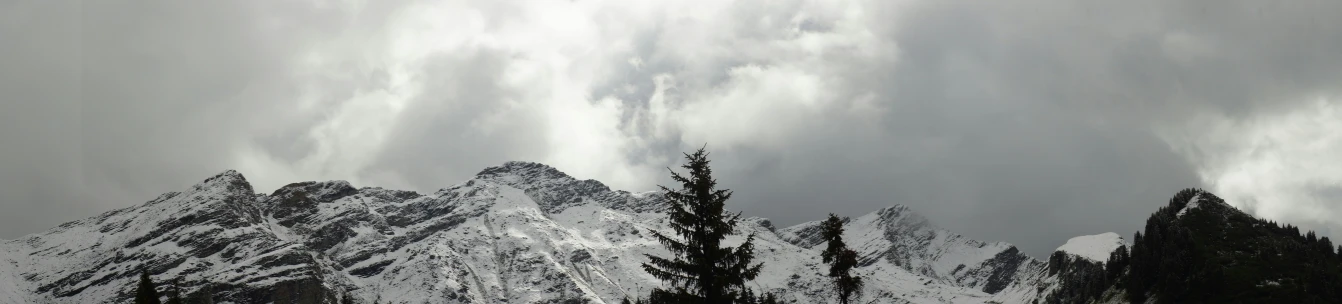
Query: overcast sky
[(1025, 121)]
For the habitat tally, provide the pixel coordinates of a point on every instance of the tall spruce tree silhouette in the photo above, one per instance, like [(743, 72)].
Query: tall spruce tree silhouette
[(700, 269)]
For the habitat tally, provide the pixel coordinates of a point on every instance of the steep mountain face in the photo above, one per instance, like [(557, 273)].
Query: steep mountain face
[(515, 233), (214, 232), (1081, 267)]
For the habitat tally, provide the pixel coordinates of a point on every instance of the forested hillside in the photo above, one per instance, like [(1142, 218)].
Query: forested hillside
[(1199, 249)]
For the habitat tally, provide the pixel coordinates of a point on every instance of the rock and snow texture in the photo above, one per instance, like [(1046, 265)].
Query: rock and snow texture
[(1192, 204), (897, 238), (1094, 247), (516, 233), (10, 289)]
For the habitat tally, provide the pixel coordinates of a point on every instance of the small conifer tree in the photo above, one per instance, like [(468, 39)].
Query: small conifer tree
[(145, 292), (841, 260), (174, 294)]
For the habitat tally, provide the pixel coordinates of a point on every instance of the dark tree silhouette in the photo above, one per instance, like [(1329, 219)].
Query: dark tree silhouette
[(841, 260), (1118, 261), (144, 292), (769, 299), (174, 294), (1218, 254), (205, 295), (701, 269)]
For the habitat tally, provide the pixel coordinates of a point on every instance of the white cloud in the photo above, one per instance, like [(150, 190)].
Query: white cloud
[(783, 65), (758, 105), (1281, 166)]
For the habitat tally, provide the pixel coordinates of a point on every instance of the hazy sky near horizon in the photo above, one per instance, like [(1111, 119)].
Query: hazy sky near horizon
[(1024, 121)]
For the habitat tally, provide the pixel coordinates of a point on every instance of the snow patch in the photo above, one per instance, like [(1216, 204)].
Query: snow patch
[(10, 290), (1094, 247), (1192, 204)]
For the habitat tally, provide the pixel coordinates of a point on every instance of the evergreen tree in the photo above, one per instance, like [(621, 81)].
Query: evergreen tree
[(144, 292), (770, 299), (841, 260), (748, 297), (174, 294), (1217, 254), (1326, 246), (701, 269), (1118, 261)]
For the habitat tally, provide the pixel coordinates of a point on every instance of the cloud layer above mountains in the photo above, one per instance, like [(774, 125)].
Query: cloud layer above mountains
[(1026, 121)]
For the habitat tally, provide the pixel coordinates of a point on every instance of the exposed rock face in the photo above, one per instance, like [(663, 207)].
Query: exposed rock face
[(214, 234), (516, 233), (1081, 277)]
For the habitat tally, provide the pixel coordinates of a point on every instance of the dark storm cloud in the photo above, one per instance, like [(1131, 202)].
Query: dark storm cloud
[(39, 116), (1025, 121), (1034, 121)]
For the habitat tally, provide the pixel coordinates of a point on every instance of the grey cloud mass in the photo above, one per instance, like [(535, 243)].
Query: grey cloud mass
[(1025, 121)]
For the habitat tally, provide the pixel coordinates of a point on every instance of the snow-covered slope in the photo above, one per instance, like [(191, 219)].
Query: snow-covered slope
[(515, 233), (11, 286), (1094, 247)]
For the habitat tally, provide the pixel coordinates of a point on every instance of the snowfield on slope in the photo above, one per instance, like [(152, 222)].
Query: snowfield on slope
[(1094, 247)]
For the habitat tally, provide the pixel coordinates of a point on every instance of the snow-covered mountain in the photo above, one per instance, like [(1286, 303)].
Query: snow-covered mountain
[(515, 233), (1093, 247)]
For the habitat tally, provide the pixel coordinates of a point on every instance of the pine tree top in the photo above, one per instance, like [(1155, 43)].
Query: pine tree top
[(832, 231), (700, 267), (144, 291)]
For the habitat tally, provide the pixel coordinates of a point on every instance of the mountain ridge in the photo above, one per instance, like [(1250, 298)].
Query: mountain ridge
[(517, 232)]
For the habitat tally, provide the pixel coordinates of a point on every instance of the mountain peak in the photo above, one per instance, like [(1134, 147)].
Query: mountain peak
[(894, 211), (902, 215), (896, 208), (229, 180), (552, 189), (1094, 247), (321, 191), (1192, 199), (522, 170), (227, 174)]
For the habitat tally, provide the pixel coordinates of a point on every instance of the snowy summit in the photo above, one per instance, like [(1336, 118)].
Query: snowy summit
[(1095, 247)]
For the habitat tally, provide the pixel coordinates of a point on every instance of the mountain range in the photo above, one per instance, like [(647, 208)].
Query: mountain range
[(516, 233)]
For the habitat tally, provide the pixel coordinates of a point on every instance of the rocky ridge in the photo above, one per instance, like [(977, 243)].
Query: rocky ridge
[(515, 233)]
